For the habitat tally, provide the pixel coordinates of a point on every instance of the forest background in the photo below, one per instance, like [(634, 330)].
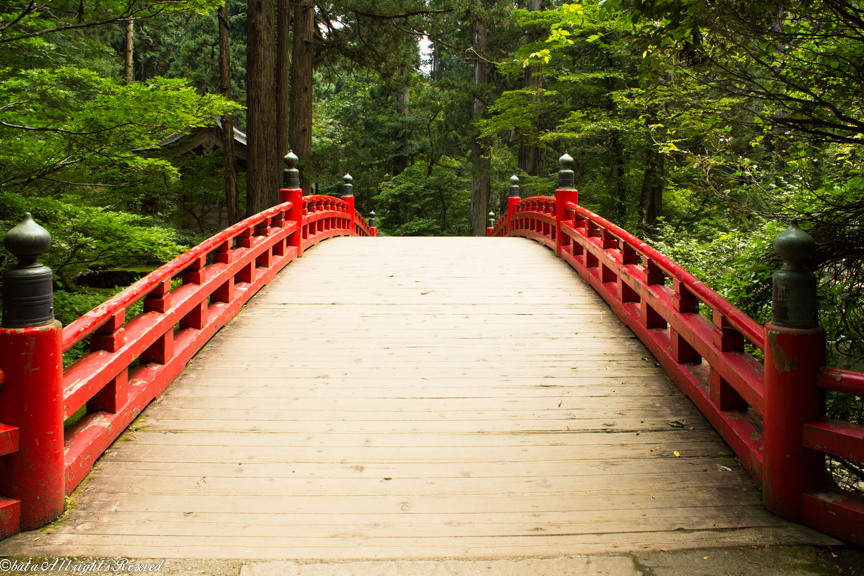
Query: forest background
[(702, 126)]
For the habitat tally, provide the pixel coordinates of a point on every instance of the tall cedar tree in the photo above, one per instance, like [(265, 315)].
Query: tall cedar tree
[(262, 176), (229, 168), (481, 161), (300, 125), (283, 75)]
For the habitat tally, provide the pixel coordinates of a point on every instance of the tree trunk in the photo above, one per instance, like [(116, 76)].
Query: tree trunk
[(130, 47), (618, 168), (300, 128), (283, 75), (481, 162), (403, 100), (262, 172), (436, 60), (529, 153), (652, 186), (228, 166)]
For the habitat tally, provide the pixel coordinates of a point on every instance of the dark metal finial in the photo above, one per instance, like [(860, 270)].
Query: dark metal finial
[(348, 186), (291, 175), (794, 299), (28, 293), (372, 219), (514, 186), (794, 246), (491, 219), (27, 241), (566, 178)]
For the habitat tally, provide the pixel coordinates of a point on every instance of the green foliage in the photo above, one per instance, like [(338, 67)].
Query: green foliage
[(69, 127), (83, 236), (415, 203)]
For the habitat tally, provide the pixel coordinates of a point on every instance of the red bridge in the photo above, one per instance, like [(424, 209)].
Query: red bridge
[(406, 397)]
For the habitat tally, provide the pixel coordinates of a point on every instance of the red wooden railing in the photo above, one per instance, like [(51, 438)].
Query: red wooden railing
[(771, 413), (132, 360)]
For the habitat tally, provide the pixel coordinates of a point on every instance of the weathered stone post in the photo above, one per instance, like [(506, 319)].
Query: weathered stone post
[(31, 360), (794, 353)]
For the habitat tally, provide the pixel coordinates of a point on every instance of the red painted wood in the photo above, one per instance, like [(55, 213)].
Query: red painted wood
[(8, 439), (692, 380), (835, 437), (93, 434), (113, 396), (844, 381), (89, 322), (10, 517), (835, 512), (741, 370), (793, 358), (740, 321), (730, 384), (562, 197), (723, 395), (32, 401), (244, 258)]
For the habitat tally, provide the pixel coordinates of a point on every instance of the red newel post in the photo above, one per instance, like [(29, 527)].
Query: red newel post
[(565, 193), (31, 358), (491, 223), (794, 352), (348, 197), (291, 192), (512, 200), (372, 223)]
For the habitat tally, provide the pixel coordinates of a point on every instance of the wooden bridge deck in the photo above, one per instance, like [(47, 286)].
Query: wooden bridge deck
[(416, 398)]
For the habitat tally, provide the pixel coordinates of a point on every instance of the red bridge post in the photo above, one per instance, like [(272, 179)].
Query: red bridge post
[(291, 192), (512, 200), (348, 198), (565, 193), (31, 400), (372, 224), (794, 353), (491, 224)]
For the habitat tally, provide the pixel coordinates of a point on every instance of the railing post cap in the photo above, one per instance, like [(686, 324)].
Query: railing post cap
[(28, 293), (291, 160), (795, 299), (566, 177), (291, 175), (514, 187), (27, 241), (794, 246), (348, 186)]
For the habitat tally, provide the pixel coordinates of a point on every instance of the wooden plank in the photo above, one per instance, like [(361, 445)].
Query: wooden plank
[(505, 469), (348, 547), (535, 440)]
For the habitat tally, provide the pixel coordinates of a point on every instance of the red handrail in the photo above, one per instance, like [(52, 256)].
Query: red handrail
[(92, 320), (132, 360), (707, 359), (752, 330)]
